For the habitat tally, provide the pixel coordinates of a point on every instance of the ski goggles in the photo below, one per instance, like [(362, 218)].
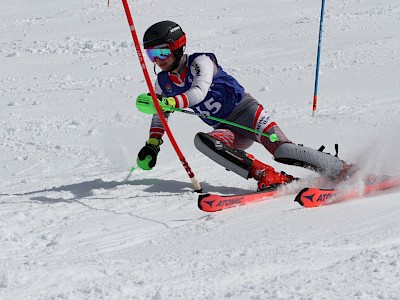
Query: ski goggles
[(163, 52)]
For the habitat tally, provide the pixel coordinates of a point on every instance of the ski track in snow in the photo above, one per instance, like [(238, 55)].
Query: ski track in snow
[(71, 227)]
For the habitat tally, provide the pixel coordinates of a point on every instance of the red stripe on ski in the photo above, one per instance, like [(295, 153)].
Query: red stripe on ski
[(214, 202), (313, 197)]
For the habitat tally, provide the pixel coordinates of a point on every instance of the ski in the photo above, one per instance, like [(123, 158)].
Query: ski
[(215, 202), (314, 197)]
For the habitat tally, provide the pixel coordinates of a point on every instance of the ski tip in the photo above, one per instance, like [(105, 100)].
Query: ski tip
[(298, 198), (206, 204), (202, 196), (200, 202)]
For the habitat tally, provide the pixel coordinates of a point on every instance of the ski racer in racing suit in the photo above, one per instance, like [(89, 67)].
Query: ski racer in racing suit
[(198, 82)]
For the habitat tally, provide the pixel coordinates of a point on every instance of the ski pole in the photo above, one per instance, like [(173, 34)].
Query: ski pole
[(133, 168), (185, 164), (321, 21), (144, 105), (272, 137)]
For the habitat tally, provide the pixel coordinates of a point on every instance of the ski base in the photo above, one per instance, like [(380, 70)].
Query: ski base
[(314, 197)]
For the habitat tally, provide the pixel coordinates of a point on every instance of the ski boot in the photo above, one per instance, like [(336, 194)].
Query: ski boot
[(267, 177)]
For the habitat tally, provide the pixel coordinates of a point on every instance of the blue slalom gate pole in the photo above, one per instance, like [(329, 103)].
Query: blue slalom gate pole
[(321, 21)]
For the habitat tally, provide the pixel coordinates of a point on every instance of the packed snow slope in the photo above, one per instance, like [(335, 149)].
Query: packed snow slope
[(73, 227)]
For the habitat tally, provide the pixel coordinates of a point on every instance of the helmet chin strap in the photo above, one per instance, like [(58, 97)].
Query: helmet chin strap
[(154, 68)]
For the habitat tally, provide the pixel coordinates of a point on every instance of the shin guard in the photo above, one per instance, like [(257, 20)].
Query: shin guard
[(232, 159), (324, 163)]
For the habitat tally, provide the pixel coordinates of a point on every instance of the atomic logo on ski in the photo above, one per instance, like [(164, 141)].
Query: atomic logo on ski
[(219, 202), (324, 197), (234, 201), (210, 203), (214, 202), (311, 197)]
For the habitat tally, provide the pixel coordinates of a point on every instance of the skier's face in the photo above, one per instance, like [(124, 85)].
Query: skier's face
[(164, 64)]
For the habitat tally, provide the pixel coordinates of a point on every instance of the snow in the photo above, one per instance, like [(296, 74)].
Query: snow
[(73, 226)]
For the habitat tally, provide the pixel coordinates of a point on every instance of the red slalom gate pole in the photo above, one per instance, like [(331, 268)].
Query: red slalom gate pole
[(139, 52)]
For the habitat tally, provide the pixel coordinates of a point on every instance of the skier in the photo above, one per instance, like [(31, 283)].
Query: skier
[(198, 82)]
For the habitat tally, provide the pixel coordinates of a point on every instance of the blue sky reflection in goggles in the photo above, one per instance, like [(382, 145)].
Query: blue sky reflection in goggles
[(161, 53)]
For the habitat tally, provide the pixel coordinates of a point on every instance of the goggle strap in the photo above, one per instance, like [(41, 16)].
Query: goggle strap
[(178, 43)]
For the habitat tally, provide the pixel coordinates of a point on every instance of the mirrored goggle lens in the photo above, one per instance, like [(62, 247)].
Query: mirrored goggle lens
[(159, 53)]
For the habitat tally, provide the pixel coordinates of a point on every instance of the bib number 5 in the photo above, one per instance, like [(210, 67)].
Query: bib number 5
[(212, 107)]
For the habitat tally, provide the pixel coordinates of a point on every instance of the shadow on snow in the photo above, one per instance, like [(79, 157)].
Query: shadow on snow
[(86, 188)]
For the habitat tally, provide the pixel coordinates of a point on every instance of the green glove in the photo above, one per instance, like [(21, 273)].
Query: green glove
[(169, 103), (145, 104), (147, 156)]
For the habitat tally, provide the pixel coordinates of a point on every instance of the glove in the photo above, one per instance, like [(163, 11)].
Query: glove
[(170, 101), (165, 102), (147, 156)]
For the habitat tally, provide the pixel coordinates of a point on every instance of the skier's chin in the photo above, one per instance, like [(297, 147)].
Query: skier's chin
[(164, 67)]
